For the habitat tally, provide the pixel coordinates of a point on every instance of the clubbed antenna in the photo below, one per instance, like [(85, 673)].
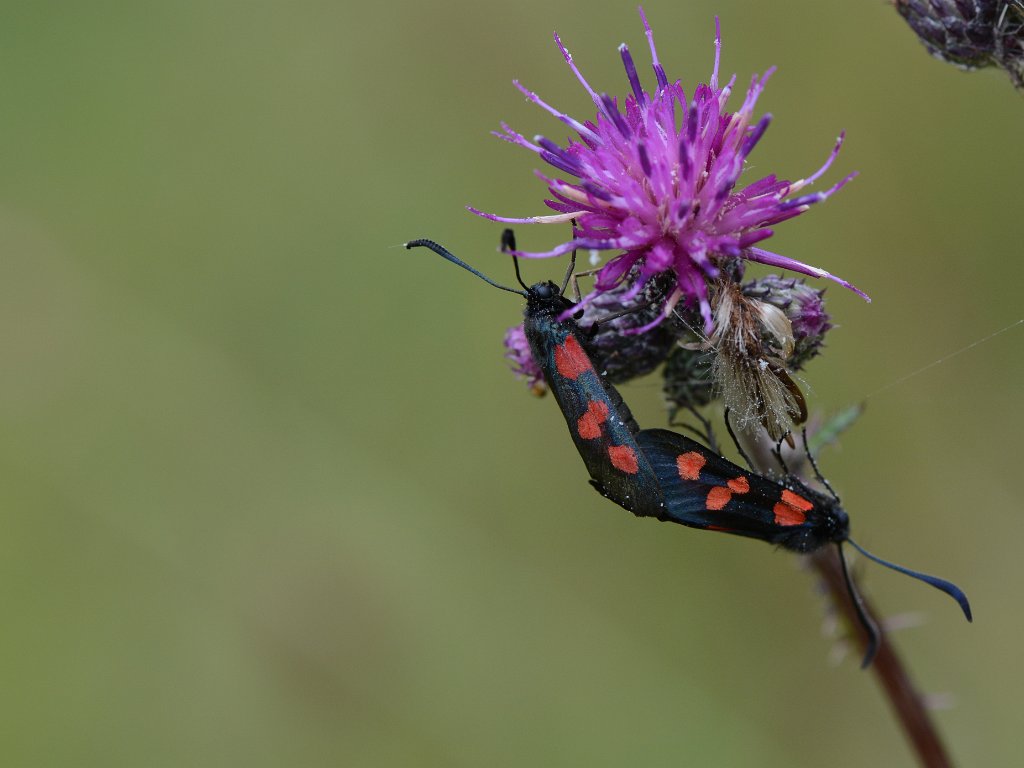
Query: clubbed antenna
[(508, 245), (444, 253), (941, 584)]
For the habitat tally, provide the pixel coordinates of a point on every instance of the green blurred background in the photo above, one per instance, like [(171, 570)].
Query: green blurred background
[(271, 496)]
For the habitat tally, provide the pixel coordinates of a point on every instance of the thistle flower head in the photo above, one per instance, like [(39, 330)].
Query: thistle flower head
[(619, 353), (971, 33), (658, 181)]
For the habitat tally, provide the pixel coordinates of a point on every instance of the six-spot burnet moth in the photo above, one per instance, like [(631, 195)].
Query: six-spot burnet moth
[(665, 475)]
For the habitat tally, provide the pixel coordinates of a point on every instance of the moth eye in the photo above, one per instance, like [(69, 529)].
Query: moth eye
[(543, 290)]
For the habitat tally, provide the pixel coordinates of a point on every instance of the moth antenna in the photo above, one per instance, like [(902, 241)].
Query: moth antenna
[(572, 263), (728, 426), (874, 636), (814, 466), (446, 254), (948, 587), (508, 243), (508, 240)]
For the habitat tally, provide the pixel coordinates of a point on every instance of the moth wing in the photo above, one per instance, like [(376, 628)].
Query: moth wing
[(703, 490)]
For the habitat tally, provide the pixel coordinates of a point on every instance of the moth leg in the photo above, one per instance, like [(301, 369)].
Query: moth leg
[(576, 295), (736, 442), (777, 453), (814, 466)]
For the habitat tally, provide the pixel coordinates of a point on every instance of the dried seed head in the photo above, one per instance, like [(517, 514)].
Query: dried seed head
[(752, 340)]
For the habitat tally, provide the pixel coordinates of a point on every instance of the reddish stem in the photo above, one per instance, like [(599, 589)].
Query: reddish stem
[(903, 697)]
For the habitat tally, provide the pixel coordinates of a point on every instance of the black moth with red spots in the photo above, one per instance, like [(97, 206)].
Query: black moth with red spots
[(658, 473), (665, 475)]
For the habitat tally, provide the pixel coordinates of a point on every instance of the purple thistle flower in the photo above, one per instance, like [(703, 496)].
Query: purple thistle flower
[(517, 352), (658, 181)]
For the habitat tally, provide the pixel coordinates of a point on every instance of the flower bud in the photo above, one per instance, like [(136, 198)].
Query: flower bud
[(803, 306), (971, 33), (687, 380)]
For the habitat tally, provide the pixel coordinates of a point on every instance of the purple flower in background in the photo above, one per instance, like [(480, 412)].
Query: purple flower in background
[(517, 352), (657, 180)]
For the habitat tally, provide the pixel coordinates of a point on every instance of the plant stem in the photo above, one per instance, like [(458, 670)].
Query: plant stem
[(888, 667), (903, 697)]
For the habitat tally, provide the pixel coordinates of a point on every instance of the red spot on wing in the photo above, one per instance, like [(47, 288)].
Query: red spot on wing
[(796, 500), (721, 528), (570, 359), (718, 497), (690, 464), (624, 458), (589, 424), (787, 515), (739, 485), (791, 510)]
